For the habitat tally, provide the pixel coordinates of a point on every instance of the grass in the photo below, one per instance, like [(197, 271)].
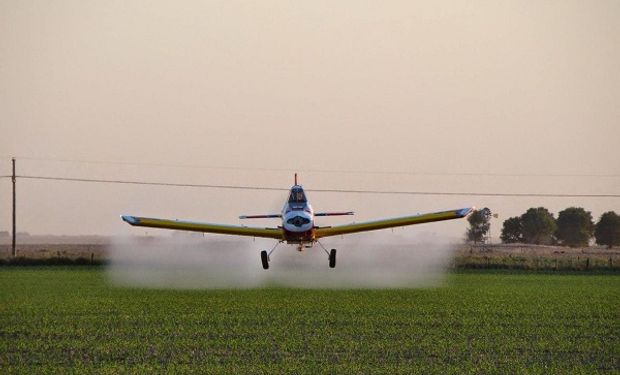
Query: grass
[(69, 320)]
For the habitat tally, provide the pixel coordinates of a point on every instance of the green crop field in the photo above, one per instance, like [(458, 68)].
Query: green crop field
[(70, 320)]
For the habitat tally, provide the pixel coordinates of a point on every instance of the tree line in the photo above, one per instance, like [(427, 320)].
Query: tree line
[(573, 227)]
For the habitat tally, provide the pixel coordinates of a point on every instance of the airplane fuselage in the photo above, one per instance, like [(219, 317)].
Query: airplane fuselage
[(298, 218)]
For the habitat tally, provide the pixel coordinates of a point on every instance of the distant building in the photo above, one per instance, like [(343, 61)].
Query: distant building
[(4, 233)]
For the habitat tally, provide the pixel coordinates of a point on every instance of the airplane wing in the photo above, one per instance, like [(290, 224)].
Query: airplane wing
[(268, 216), (333, 213), (204, 227), (390, 223)]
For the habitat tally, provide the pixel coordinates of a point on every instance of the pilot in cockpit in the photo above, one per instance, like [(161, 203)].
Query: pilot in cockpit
[(297, 196)]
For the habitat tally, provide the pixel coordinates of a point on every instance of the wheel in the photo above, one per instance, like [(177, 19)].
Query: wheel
[(332, 258), (265, 259)]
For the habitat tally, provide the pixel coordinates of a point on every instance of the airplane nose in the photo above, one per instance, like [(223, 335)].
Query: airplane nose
[(298, 221)]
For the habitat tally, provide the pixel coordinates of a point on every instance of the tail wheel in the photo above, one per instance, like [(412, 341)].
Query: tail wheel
[(332, 258), (264, 259)]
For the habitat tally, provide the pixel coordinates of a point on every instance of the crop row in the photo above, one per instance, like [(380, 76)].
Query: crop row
[(70, 320)]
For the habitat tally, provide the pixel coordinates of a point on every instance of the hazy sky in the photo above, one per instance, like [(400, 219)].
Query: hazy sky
[(432, 89)]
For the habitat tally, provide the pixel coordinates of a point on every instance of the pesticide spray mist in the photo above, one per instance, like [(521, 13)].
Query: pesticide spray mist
[(372, 260)]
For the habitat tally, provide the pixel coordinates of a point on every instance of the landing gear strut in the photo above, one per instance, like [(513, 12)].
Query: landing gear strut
[(264, 256), (331, 255)]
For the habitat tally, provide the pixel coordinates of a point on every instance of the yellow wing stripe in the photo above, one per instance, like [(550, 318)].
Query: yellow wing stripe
[(390, 223), (204, 227)]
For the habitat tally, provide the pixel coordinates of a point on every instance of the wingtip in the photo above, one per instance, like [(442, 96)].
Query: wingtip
[(465, 211), (130, 219)]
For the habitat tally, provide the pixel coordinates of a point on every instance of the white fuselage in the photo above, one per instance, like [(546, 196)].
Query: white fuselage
[(298, 217)]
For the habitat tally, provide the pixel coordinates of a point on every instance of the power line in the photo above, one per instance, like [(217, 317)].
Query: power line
[(127, 182), (471, 193), (333, 171), (353, 191)]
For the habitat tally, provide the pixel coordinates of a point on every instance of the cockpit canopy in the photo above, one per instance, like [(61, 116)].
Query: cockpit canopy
[(297, 196)]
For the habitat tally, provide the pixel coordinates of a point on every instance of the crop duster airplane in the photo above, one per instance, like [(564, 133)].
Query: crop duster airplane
[(298, 225)]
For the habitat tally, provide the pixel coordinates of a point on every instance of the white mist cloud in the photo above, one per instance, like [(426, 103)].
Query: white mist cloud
[(371, 260)]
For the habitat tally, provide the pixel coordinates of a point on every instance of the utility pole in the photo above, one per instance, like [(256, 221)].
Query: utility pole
[(14, 230)]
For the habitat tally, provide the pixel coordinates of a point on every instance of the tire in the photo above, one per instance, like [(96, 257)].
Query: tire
[(264, 259), (332, 258)]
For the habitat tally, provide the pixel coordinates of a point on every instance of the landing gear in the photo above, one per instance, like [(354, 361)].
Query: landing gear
[(332, 258), (331, 254), (264, 259), (264, 256)]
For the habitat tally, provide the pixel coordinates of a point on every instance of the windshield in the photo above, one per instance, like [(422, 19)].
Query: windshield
[(297, 196)]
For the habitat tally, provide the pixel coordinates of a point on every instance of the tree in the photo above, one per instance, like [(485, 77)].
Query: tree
[(575, 227), (479, 224), (607, 231), (512, 231), (538, 226)]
